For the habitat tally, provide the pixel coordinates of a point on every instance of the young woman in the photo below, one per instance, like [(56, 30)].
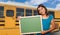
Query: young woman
[(47, 20)]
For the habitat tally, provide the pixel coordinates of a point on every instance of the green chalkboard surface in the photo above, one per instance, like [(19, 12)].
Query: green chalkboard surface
[(31, 24)]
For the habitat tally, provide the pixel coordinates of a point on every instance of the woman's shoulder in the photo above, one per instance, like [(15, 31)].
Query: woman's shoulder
[(51, 16)]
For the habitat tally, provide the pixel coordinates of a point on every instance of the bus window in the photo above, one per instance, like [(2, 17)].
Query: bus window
[(1, 11), (35, 12), (28, 12), (19, 12), (51, 13), (10, 13)]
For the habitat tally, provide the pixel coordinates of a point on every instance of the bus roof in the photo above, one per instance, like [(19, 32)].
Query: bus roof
[(21, 4)]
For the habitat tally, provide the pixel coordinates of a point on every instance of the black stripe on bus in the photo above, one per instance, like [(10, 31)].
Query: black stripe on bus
[(17, 24), (57, 21), (2, 24)]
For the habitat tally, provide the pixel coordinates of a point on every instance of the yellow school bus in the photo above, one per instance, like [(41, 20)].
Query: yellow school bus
[(8, 17)]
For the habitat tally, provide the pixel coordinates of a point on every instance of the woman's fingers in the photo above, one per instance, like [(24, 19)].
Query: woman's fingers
[(44, 32), (18, 18)]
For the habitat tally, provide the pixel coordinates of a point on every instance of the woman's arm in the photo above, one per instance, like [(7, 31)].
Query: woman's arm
[(51, 28)]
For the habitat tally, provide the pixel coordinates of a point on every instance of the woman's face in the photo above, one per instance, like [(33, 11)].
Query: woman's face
[(41, 10)]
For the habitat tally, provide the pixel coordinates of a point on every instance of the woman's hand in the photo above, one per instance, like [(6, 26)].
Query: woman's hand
[(18, 18), (44, 32)]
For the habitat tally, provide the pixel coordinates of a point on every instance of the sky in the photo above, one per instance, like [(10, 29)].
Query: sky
[(55, 4)]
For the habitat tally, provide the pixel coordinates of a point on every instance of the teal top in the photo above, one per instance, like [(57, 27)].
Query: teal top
[(46, 24)]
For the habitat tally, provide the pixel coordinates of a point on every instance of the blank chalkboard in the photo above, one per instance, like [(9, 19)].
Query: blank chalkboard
[(31, 24)]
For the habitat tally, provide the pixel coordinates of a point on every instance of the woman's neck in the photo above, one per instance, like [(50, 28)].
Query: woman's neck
[(44, 16)]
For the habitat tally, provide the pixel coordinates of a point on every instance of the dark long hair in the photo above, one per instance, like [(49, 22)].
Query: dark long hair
[(41, 5)]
